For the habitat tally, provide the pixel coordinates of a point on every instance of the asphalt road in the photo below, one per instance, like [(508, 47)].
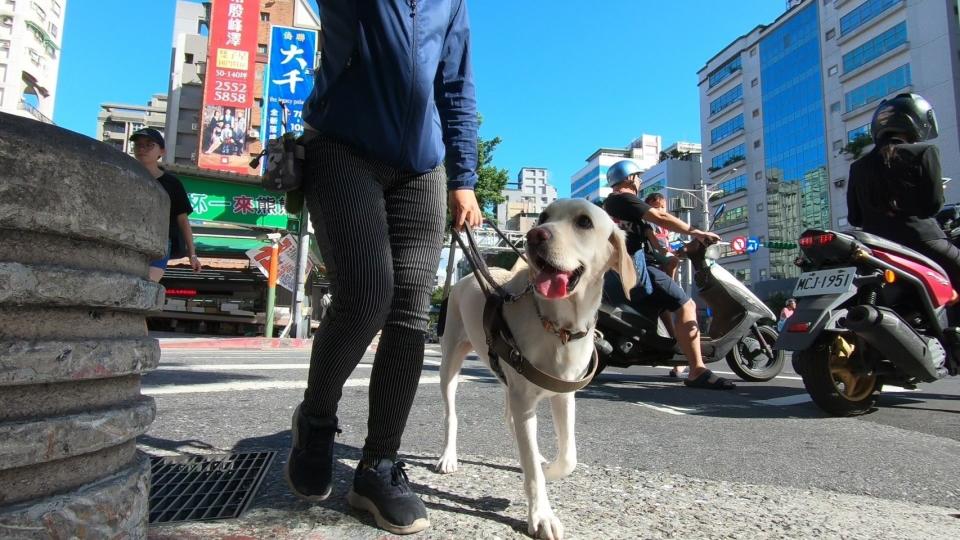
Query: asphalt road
[(764, 434)]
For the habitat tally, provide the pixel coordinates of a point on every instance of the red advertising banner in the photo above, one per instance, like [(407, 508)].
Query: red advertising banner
[(225, 128)]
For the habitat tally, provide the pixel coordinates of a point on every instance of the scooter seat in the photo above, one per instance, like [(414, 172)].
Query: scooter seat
[(640, 324), (879, 242)]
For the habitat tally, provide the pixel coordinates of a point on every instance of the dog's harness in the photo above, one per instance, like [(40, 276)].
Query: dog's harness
[(500, 341)]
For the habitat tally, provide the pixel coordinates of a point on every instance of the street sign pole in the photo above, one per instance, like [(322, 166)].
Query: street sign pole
[(298, 320), (272, 284)]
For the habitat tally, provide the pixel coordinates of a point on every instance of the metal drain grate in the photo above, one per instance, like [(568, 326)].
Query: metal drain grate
[(196, 488)]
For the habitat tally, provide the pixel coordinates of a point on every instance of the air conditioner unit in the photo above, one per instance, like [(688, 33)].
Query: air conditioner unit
[(193, 156), (194, 126)]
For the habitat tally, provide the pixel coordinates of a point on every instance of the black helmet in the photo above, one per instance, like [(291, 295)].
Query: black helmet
[(906, 114)]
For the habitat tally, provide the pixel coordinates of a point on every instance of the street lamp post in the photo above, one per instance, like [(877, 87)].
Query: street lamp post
[(702, 195)]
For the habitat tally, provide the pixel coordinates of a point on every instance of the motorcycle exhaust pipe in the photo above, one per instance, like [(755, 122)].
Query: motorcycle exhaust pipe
[(917, 356)]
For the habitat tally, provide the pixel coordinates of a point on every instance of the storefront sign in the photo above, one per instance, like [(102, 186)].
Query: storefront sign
[(289, 79), (239, 204), (228, 86)]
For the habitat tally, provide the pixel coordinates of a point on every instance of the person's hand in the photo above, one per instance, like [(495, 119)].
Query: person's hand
[(464, 209), (708, 238), (195, 262)]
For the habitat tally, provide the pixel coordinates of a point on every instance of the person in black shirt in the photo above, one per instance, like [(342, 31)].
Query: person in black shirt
[(654, 288), (148, 148), (896, 189)]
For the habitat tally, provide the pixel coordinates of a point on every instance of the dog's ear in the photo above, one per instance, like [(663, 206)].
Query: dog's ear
[(621, 262)]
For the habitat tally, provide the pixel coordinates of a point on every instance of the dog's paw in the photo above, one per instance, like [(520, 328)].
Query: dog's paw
[(545, 525), (558, 469), (447, 463)]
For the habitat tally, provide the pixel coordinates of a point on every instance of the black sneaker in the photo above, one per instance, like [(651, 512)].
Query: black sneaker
[(309, 470), (383, 490)]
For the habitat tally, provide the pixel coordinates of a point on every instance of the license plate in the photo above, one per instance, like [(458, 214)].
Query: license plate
[(835, 281)]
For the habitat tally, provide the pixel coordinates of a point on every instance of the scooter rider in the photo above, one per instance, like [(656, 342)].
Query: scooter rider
[(653, 286), (896, 189)]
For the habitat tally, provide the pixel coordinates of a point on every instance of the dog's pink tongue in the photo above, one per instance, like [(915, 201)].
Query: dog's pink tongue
[(552, 285)]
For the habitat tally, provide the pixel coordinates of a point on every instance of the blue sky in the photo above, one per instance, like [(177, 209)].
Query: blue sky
[(556, 79)]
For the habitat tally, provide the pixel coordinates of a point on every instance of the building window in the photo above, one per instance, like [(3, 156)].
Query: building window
[(731, 156), (261, 48), (734, 95), (832, 70), (733, 216), (758, 175), (754, 82), (756, 143), (756, 113), (726, 129), (39, 11), (56, 8), (876, 47), (856, 133), (864, 13), (734, 185), (753, 51), (3, 72), (720, 74), (830, 34), (264, 16), (53, 29), (4, 49), (835, 107), (878, 88), (837, 145), (188, 58), (760, 207)]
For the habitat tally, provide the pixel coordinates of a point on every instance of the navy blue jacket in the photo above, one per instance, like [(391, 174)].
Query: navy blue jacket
[(395, 81)]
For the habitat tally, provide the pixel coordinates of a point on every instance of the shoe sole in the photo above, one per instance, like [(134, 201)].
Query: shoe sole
[(286, 467), (362, 503)]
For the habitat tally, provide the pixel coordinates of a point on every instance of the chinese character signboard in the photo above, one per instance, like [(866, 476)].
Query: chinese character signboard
[(289, 79), (228, 88), (240, 204)]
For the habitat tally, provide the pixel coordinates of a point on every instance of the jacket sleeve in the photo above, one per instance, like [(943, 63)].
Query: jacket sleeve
[(854, 213), (933, 173), (457, 102)]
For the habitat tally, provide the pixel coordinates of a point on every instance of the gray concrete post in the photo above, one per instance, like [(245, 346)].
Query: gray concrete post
[(79, 222)]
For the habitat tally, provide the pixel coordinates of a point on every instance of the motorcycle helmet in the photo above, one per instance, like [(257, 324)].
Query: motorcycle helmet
[(620, 171), (907, 114)]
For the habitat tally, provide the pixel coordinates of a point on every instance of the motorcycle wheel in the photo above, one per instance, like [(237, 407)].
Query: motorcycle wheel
[(833, 381), (751, 363)]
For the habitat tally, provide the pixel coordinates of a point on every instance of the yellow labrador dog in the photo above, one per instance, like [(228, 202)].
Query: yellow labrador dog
[(569, 251)]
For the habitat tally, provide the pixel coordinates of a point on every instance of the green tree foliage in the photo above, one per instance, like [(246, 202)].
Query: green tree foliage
[(490, 180)]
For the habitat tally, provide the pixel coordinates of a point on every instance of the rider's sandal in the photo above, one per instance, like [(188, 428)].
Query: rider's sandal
[(709, 381)]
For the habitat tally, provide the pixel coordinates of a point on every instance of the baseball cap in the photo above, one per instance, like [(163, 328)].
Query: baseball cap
[(150, 133)]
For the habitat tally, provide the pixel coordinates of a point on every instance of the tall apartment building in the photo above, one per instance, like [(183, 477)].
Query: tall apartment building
[(188, 65), (590, 182), (30, 38), (533, 193), (780, 105), (116, 122)]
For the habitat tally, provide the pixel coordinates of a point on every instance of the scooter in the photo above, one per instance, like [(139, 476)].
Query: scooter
[(742, 329), (870, 312)]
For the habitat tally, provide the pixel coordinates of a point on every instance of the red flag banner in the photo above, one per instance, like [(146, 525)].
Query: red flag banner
[(228, 86)]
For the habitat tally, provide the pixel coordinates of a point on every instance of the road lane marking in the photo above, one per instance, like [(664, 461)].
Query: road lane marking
[(254, 367), (784, 401), (661, 408), (244, 386)]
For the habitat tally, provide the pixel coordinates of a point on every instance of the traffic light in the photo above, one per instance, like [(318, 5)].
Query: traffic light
[(778, 245)]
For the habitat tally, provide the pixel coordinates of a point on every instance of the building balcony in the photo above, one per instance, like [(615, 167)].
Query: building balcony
[(33, 111)]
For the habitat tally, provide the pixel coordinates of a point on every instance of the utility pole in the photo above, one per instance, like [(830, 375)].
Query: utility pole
[(303, 249)]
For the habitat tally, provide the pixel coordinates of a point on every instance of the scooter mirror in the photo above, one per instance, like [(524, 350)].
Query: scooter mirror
[(712, 252), (717, 213)]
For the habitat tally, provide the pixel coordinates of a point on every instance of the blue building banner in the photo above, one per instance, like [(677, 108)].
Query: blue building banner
[(289, 79)]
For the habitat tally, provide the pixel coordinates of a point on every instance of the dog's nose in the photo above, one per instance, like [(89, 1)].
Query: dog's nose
[(537, 236)]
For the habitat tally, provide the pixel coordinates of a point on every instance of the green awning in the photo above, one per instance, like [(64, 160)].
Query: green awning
[(224, 245)]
